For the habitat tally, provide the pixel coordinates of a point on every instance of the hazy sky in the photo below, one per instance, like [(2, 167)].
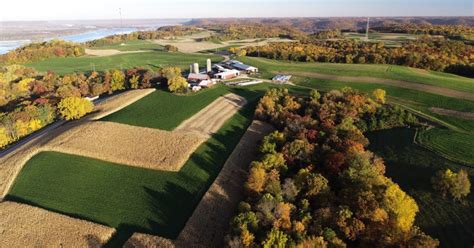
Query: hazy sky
[(108, 9)]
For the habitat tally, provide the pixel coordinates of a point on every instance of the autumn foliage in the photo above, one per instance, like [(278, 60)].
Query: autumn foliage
[(316, 185)]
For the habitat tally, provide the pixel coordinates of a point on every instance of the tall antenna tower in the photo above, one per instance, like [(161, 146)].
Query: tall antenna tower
[(367, 30), (121, 21)]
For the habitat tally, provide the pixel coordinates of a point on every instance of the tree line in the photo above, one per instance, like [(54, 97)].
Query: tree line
[(41, 51), (316, 185), (30, 100), (225, 32), (427, 53), (160, 33)]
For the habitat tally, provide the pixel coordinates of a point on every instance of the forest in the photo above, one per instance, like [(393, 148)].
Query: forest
[(30, 100), (429, 53), (316, 185), (41, 51), (225, 32)]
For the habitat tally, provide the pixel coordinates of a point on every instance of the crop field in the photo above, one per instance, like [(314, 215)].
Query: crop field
[(389, 39), (412, 167), (147, 201), (133, 45), (152, 60), (446, 80), (128, 145), (23, 225), (210, 119)]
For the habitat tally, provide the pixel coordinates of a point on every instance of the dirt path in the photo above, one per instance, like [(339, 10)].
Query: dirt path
[(403, 84), (453, 113), (11, 164), (209, 222), (109, 52), (210, 119)]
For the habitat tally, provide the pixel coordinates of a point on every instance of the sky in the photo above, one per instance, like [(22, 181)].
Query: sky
[(15, 10)]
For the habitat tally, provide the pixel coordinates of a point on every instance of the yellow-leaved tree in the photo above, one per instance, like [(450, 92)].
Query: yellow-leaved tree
[(400, 207), (71, 108), (118, 80), (177, 84), (379, 95), (5, 138)]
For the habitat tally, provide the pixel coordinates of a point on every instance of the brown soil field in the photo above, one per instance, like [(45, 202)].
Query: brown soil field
[(209, 222), (26, 226), (408, 85), (129, 145), (210, 119), (108, 52), (11, 163), (188, 44), (453, 113)]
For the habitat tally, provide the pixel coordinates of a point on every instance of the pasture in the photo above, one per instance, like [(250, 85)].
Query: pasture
[(412, 167), (389, 39)]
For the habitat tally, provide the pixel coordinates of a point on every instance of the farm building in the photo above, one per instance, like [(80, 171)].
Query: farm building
[(207, 83), (198, 77), (234, 64), (227, 74), (281, 78)]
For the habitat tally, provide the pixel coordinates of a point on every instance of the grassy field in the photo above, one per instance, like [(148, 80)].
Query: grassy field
[(133, 45), (135, 199), (152, 60), (412, 167), (389, 39), (446, 80)]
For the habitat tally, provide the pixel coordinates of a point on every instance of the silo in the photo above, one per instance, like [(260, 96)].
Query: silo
[(191, 68), (196, 68), (208, 65)]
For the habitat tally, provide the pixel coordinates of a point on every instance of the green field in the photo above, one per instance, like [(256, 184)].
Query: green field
[(389, 39), (412, 167), (133, 45), (446, 80), (134, 199), (152, 60)]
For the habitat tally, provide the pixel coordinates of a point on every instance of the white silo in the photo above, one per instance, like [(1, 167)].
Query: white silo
[(196, 68), (191, 68), (208, 65)]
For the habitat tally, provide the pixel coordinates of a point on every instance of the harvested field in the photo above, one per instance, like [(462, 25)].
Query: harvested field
[(12, 162), (129, 145), (210, 119), (26, 226), (108, 52), (453, 113), (398, 83), (210, 220)]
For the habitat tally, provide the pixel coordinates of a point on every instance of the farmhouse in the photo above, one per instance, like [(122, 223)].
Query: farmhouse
[(227, 74)]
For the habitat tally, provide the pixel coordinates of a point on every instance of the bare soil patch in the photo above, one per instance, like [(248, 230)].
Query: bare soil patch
[(453, 113), (402, 84), (210, 220), (129, 145), (211, 118), (108, 52), (26, 226), (11, 163)]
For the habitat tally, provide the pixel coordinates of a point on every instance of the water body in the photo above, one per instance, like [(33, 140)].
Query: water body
[(6, 46)]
